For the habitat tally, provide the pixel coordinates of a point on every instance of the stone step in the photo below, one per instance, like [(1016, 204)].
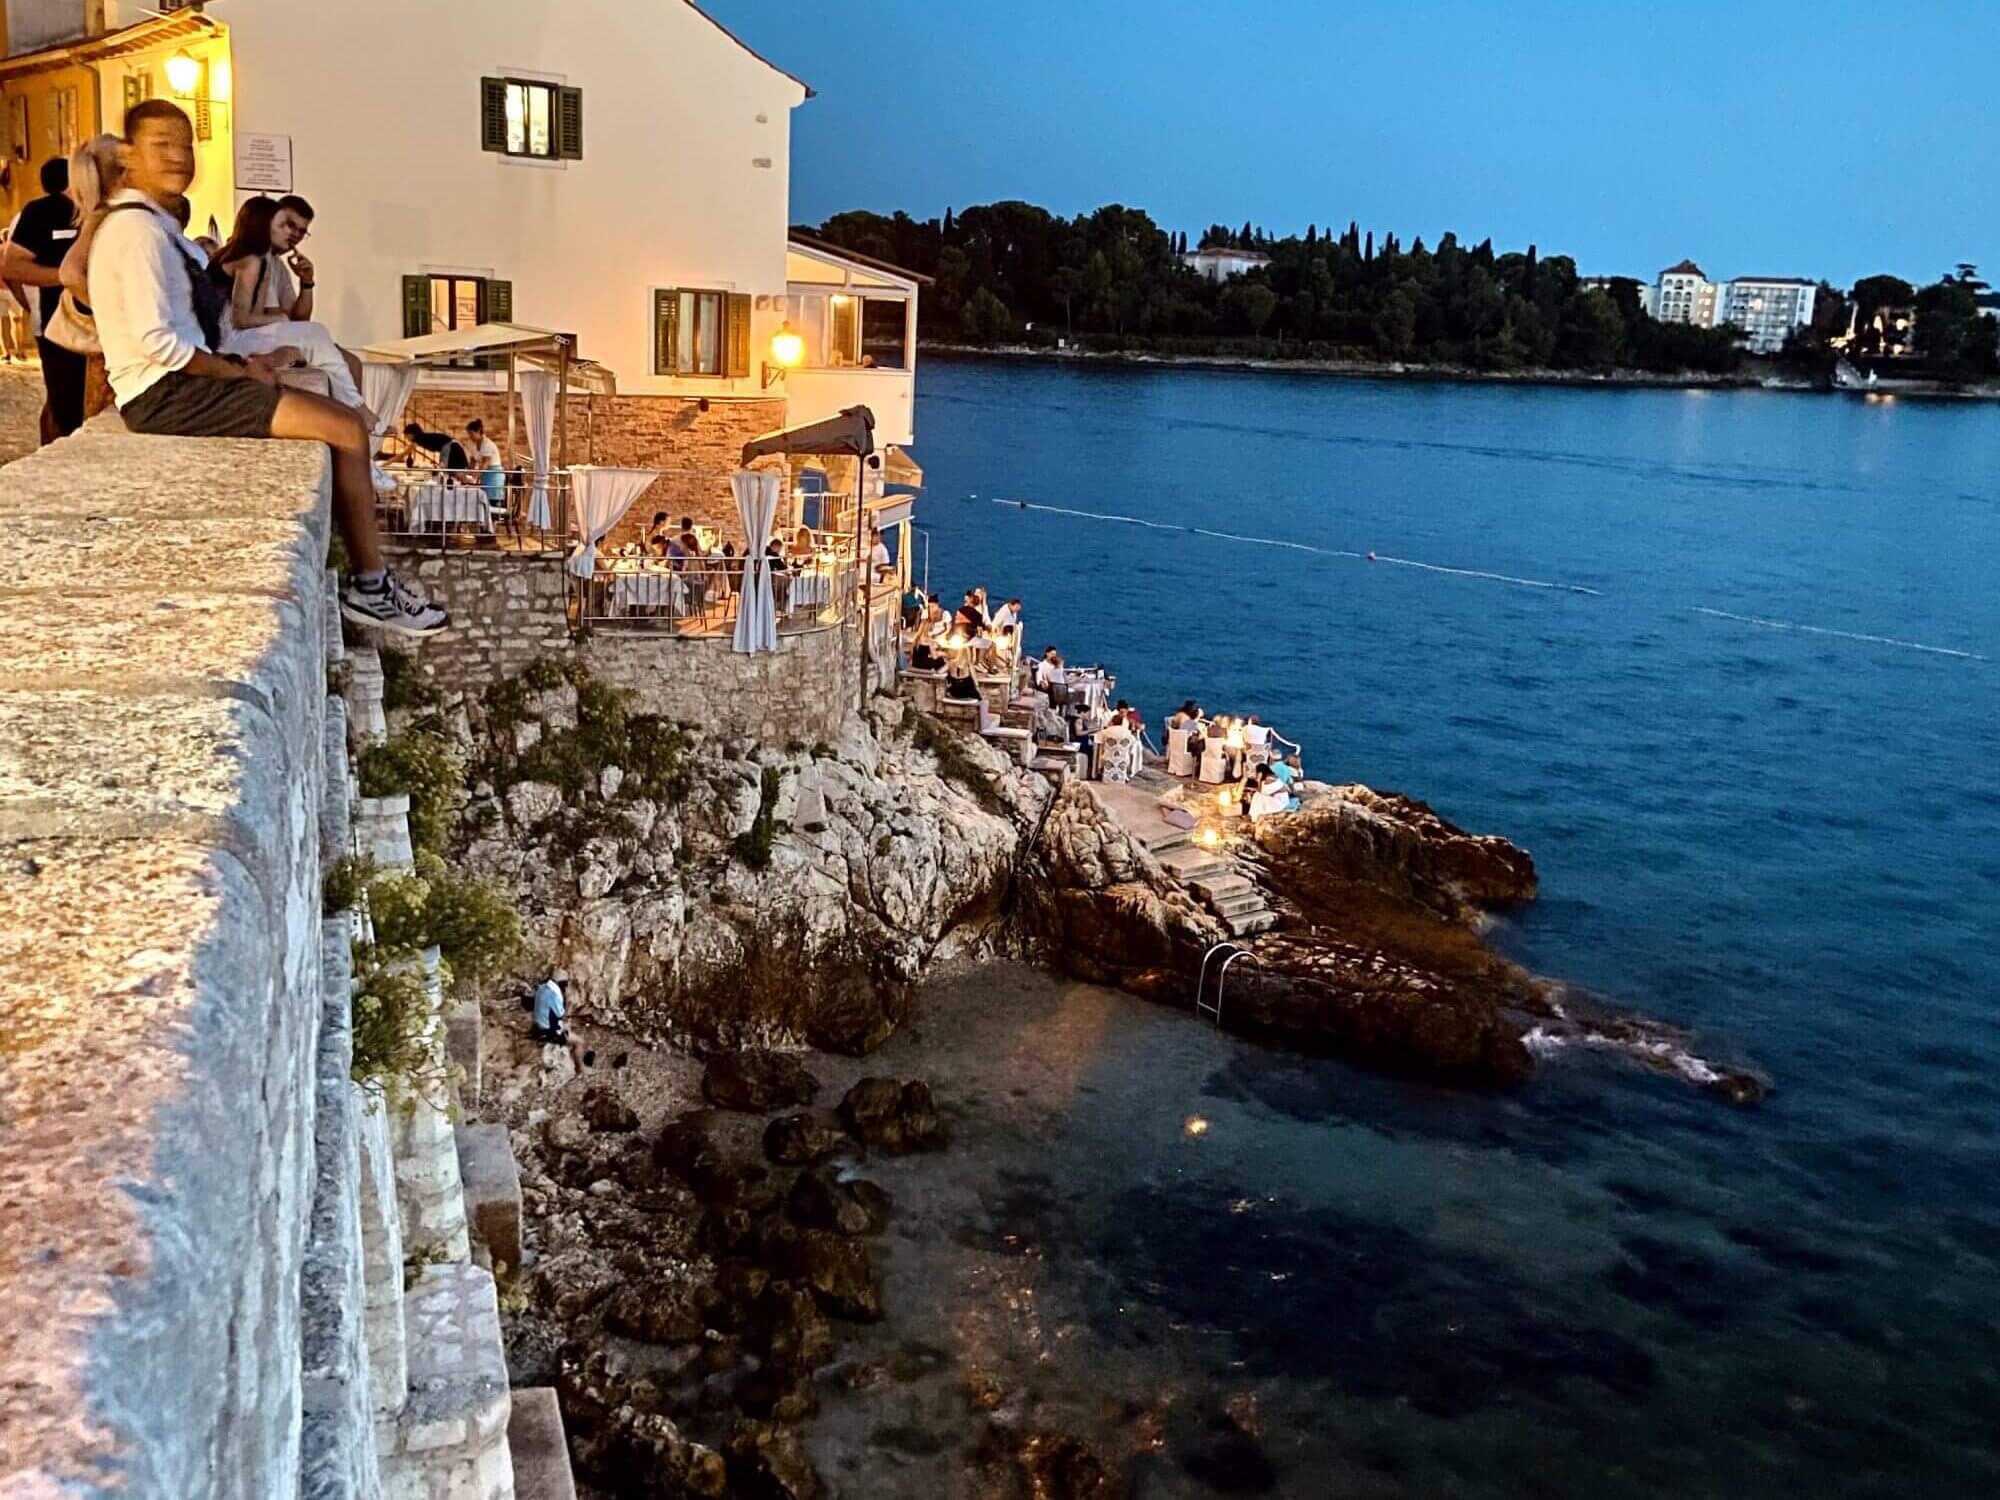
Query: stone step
[(1221, 887), (1191, 865), (1240, 907), (450, 1438), (1168, 838), (1262, 921), (462, 1034), (541, 1452), (492, 1191)]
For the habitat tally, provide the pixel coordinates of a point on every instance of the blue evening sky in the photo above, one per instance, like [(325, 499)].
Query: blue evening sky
[(1761, 137)]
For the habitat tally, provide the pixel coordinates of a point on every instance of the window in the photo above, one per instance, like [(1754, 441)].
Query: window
[(441, 303), (19, 119), (525, 118), (701, 333), (66, 121), (138, 89)]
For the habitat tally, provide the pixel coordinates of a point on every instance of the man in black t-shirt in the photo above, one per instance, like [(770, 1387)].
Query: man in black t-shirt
[(448, 451), (43, 237)]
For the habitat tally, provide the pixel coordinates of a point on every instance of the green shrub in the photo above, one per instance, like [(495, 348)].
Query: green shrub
[(471, 922), (395, 1020), (652, 752), (403, 683), (421, 765), (754, 847), (341, 888), (544, 675)]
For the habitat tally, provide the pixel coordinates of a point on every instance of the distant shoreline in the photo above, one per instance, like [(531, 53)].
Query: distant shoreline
[(1392, 370)]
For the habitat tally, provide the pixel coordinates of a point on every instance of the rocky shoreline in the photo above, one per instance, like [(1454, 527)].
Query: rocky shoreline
[(688, 1267)]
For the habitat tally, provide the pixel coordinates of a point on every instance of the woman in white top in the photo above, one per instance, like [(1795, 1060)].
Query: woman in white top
[(250, 269)]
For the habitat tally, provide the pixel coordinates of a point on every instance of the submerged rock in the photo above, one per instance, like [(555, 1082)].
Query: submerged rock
[(768, 1461), (757, 1081), (824, 1199)]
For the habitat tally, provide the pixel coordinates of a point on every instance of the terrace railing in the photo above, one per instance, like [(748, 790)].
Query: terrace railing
[(508, 510), (700, 596)]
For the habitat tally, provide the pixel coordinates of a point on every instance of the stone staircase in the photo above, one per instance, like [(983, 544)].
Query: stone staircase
[(1215, 877)]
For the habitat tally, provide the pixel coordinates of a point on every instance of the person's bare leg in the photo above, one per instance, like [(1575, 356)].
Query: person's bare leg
[(309, 418)]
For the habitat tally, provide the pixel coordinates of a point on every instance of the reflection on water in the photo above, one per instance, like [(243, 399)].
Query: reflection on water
[(1343, 1285)]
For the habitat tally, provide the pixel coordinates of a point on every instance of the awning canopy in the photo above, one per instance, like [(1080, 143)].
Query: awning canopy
[(852, 432), (537, 348), (901, 470)]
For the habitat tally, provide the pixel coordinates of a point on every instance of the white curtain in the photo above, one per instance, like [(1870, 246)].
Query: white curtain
[(757, 612), (538, 402), (386, 388), (600, 496)]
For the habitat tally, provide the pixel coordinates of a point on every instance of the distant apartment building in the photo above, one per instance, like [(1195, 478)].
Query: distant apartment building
[(1684, 294), (1220, 262), (1765, 308)]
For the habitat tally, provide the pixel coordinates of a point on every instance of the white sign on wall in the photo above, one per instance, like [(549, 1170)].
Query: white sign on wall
[(263, 163)]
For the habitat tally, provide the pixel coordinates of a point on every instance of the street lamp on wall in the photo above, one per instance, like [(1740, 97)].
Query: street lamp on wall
[(183, 73), (788, 351)]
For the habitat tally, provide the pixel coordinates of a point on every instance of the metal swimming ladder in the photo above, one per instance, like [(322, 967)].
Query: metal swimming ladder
[(1231, 953)]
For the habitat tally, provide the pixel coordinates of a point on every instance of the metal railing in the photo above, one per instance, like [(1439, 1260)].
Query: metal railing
[(701, 596), (509, 510)]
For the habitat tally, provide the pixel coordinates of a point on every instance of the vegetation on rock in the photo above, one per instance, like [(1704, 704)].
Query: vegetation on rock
[(396, 1017), (470, 922), (753, 846), (419, 764), (404, 685), (954, 762)]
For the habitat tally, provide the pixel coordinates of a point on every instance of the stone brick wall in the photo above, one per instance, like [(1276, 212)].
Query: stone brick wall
[(162, 770), (699, 448), (508, 612)]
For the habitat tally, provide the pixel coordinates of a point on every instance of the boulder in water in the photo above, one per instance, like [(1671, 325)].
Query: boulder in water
[(757, 1080)]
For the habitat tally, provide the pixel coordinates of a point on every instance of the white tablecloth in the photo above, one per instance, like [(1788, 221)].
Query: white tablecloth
[(449, 504), (648, 590), (811, 589)]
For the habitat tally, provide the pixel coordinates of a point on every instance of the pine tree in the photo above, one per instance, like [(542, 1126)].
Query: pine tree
[(1246, 240), (1312, 235), (1369, 252)]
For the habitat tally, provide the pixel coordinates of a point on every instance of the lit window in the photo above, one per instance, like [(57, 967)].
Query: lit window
[(529, 108)]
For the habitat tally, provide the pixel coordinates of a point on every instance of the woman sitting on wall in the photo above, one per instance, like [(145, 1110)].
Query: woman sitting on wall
[(247, 269)]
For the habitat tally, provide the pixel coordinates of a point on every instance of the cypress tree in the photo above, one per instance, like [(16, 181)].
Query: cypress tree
[(1369, 252)]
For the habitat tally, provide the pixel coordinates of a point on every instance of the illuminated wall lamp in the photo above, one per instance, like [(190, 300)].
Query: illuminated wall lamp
[(183, 73), (788, 352)]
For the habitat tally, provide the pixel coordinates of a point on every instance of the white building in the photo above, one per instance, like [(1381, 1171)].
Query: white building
[(1767, 309), (1220, 262), (1684, 294), (617, 170)]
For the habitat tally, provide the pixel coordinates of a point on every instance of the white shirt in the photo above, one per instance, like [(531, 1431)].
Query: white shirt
[(1048, 673), (281, 290), (142, 292), (1004, 617), (879, 555), (485, 454)]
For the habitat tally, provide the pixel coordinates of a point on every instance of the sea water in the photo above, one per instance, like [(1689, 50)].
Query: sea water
[(1728, 665)]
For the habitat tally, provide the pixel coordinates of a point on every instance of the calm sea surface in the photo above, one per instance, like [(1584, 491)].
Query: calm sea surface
[(1786, 839)]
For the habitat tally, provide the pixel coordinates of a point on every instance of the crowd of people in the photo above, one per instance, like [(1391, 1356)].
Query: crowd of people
[(1255, 768), (188, 339)]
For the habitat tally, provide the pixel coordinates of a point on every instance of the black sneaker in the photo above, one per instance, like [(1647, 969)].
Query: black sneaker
[(391, 606)]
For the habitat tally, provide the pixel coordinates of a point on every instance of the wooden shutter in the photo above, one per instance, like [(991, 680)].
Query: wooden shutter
[(736, 331), (569, 124), (493, 114), (666, 331), (499, 302), (416, 306)]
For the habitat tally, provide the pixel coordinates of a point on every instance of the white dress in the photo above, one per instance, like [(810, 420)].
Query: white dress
[(314, 343)]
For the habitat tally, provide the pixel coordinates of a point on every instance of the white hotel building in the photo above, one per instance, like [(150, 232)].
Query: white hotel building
[(1766, 308)]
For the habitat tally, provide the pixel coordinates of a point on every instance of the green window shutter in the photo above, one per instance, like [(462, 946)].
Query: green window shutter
[(736, 328), (493, 114), (666, 331), (499, 301), (416, 306), (569, 124)]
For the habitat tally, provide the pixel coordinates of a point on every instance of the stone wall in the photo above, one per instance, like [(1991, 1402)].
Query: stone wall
[(162, 764), (507, 612), (698, 449)]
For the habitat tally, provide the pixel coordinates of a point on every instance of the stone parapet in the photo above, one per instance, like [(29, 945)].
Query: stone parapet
[(449, 1442), (162, 763)]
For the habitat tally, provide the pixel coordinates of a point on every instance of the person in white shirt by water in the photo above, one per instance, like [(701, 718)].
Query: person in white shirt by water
[(159, 320)]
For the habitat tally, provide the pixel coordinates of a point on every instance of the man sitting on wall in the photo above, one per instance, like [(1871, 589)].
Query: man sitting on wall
[(159, 322)]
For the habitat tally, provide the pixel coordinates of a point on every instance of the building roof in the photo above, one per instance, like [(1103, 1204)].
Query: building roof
[(841, 252), (1232, 252), (175, 26), (1772, 281), (1685, 268), (810, 90)]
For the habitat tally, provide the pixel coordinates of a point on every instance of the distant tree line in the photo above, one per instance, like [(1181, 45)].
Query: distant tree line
[(1113, 280), (1952, 336)]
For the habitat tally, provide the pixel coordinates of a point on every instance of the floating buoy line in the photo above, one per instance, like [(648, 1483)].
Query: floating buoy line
[(1511, 579)]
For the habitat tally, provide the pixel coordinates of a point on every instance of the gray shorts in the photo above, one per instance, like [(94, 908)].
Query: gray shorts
[(182, 405)]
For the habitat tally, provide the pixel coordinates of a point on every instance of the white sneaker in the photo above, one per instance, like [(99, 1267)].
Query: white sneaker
[(391, 607)]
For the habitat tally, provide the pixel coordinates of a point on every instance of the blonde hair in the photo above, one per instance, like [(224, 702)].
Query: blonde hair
[(95, 172)]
